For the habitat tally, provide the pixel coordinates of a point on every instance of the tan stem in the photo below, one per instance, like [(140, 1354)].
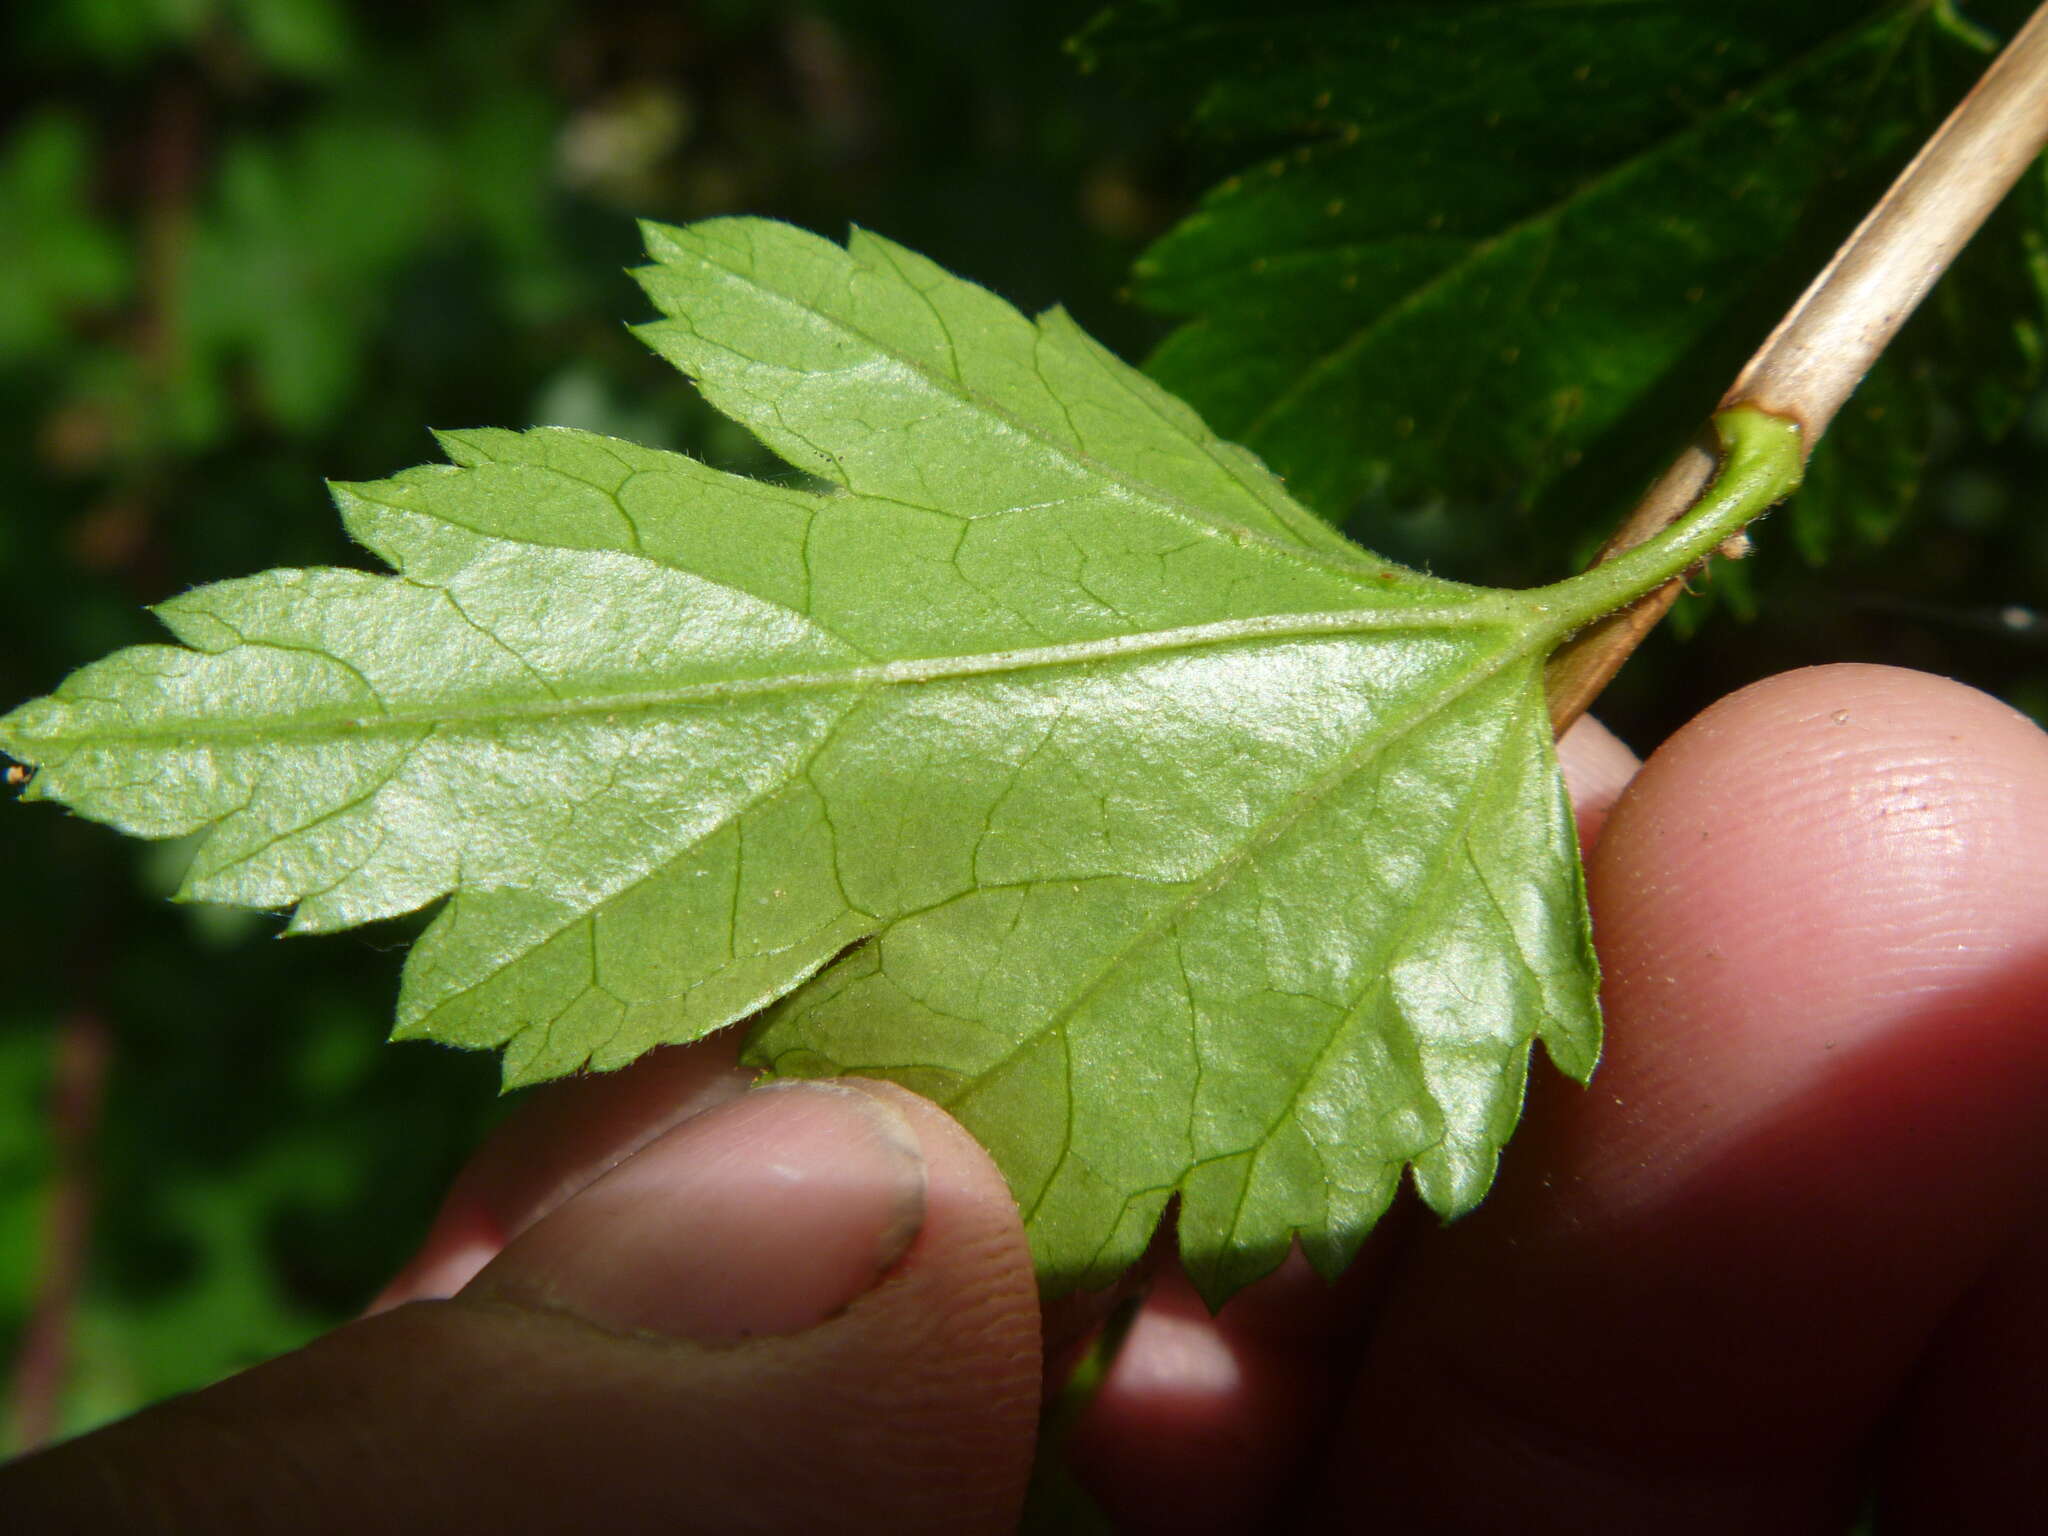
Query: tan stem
[(1813, 361)]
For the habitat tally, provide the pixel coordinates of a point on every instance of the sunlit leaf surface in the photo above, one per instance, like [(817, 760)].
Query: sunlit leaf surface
[(1052, 760)]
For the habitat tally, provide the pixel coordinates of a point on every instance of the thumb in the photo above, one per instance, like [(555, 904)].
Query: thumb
[(809, 1309)]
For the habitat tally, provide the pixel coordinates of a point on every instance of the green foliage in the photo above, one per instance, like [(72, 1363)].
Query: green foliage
[(1485, 239), (57, 256), (295, 37), (1096, 788)]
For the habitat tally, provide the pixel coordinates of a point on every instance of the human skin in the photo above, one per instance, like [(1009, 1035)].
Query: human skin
[(1788, 1246)]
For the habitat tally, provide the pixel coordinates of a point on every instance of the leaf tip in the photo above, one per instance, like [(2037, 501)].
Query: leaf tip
[(1453, 1178), (410, 1026), (660, 241), (1573, 1051), (1219, 1275), (347, 496), (514, 1075), (22, 729), (649, 333), (454, 445)]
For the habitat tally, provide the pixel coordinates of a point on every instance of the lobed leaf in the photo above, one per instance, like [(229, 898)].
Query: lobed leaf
[(1052, 760)]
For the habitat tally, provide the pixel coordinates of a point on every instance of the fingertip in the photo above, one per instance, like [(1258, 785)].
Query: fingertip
[(969, 1209), (1799, 870), (564, 1136), (1822, 910), (1598, 766), (764, 1216), (863, 1373), (461, 1242), (1209, 1424), (731, 1330)]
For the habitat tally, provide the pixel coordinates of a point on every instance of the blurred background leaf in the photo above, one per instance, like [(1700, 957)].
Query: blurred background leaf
[(1488, 240), (246, 245), (1470, 271)]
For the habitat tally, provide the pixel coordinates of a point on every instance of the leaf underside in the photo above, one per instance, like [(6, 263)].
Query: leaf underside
[(1053, 761), (1483, 239)]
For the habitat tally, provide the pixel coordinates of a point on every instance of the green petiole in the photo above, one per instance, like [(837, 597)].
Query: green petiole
[(1762, 460)]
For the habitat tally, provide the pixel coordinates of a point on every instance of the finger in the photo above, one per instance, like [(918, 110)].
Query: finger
[(565, 1135), (1597, 767), (809, 1309), (1824, 917), (1209, 1423)]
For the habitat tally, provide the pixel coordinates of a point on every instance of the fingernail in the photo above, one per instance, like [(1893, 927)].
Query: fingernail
[(766, 1215)]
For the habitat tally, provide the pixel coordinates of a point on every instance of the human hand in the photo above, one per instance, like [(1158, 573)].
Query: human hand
[(1793, 1219), (1790, 1243), (652, 1303)]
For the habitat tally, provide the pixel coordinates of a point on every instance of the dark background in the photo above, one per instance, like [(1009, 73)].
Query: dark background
[(246, 245)]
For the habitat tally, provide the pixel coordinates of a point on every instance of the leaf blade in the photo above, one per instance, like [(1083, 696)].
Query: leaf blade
[(1072, 773)]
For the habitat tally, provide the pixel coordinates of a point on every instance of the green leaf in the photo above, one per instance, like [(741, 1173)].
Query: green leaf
[(287, 274), (1486, 239), (1052, 761), (58, 255)]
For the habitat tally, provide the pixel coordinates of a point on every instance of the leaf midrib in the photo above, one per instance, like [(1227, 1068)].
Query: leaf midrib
[(1501, 609)]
